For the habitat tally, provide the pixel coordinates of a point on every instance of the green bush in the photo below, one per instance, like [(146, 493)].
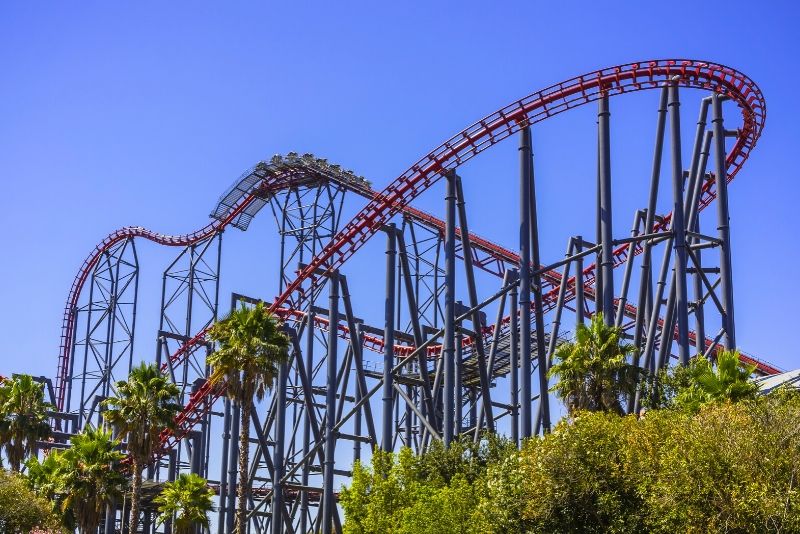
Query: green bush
[(726, 467), (440, 491), (22, 511), (732, 467)]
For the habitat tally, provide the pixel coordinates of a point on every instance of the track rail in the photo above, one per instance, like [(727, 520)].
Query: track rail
[(532, 109), (428, 170)]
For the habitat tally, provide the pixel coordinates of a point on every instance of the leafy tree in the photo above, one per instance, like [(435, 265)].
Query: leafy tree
[(700, 382), (465, 457), (730, 467), (144, 406), (728, 380), (48, 479), (439, 491), (92, 477), (378, 494), (45, 477), (21, 510), (593, 371), (251, 347), (578, 479), (188, 499), (23, 418), (448, 508), (504, 483)]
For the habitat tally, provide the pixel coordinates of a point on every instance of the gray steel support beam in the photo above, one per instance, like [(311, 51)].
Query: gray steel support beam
[(652, 325), (514, 363), (308, 400), (459, 378), (694, 220), (598, 237), (328, 502), (579, 289), (626, 277), (469, 270), (387, 427), (606, 228), (308, 369), (109, 526), (355, 344), (646, 277), (357, 421), (223, 479), (233, 464), (473, 407), (172, 471), (525, 281), (278, 460), (668, 328), (543, 415), (562, 292), (501, 312), (196, 453), (678, 228), (723, 221), (413, 310)]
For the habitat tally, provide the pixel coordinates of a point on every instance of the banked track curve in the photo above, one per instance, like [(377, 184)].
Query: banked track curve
[(458, 149)]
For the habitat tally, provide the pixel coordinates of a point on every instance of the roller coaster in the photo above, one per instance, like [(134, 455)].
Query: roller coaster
[(434, 367)]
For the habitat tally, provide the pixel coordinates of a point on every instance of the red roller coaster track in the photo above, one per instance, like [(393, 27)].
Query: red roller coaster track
[(452, 153)]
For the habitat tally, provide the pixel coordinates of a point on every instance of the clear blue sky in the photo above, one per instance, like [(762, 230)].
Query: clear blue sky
[(142, 114)]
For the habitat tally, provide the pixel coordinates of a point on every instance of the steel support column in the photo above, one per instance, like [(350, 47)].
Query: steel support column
[(543, 414), (525, 281), (646, 277), (606, 231), (278, 459), (233, 465), (469, 271), (328, 502), (579, 289), (223, 478), (448, 351), (514, 363), (723, 221), (308, 369), (678, 231), (387, 426)]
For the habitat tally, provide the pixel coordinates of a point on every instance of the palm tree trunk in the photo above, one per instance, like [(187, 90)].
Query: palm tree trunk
[(136, 490), (244, 460), (16, 454)]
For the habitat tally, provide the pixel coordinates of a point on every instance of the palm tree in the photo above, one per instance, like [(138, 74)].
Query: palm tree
[(91, 477), (145, 405), (23, 418), (188, 498), (728, 381), (593, 371), (48, 479), (251, 346)]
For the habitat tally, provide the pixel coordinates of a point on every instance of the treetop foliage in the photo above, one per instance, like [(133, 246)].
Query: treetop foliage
[(593, 371), (21, 510), (729, 467), (251, 345), (709, 456)]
